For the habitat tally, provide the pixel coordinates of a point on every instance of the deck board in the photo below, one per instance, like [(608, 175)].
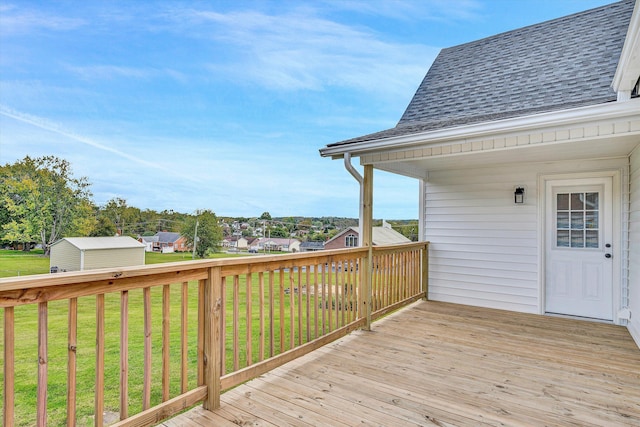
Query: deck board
[(449, 365)]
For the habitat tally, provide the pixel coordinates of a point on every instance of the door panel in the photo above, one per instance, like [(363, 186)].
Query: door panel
[(579, 276)]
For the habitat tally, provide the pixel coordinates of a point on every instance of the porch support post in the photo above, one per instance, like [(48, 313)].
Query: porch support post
[(425, 271), (367, 241), (212, 333)]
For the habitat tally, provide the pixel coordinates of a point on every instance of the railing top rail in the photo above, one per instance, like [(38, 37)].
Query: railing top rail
[(107, 274)]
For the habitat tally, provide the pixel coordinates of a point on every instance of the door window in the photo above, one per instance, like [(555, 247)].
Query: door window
[(577, 220)]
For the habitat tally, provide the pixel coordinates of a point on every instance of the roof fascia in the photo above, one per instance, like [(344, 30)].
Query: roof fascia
[(628, 69), (600, 112)]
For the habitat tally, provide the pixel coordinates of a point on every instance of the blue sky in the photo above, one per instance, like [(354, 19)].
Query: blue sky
[(223, 105)]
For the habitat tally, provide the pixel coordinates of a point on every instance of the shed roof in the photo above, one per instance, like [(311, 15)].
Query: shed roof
[(559, 64), (92, 243)]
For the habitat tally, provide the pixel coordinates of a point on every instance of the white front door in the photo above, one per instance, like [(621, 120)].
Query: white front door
[(579, 252)]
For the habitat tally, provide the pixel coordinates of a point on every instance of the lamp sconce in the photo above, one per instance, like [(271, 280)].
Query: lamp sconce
[(518, 195)]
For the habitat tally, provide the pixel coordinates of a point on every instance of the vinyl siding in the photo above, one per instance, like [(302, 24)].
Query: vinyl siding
[(107, 258), (634, 245), (485, 250), (65, 256)]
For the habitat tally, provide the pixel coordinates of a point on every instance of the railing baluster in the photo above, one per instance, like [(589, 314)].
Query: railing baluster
[(343, 285), (249, 317), (223, 325), (99, 398), (292, 331), (308, 298), (72, 342), (330, 302), (315, 301), (146, 382), (282, 337), (9, 366), (201, 329), (166, 330), (41, 417), (261, 308), (272, 342), (300, 319), (236, 323), (184, 355), (124, 355)]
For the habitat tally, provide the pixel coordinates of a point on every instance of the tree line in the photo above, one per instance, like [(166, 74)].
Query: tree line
[(41, 201)]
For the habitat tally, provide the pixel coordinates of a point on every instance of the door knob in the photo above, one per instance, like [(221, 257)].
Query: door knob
[(607, 255)]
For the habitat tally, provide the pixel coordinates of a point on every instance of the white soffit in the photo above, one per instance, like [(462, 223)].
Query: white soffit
[(606, 136)]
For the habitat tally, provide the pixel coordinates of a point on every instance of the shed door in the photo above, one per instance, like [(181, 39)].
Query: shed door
[(579, 266)]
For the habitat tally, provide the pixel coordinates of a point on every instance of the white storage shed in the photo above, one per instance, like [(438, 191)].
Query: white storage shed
[(89, 253)]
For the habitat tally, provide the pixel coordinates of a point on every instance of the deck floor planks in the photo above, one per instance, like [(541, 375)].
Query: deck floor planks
[(452, 365)]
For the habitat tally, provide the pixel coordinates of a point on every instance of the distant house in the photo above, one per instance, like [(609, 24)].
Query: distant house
[(148, 242), (169, 242), (311, 246), (349, 238), (89, 253), (278, 244), (235, 242)]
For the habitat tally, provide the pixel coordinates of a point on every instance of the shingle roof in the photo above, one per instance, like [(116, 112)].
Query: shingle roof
[(167, 236), (564, 63)]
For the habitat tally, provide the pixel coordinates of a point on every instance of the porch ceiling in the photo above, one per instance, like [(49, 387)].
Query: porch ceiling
[(486, 157)]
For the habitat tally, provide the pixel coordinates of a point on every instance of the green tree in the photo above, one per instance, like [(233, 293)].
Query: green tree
[(204, 231), (265, 215), (278, 231), (43, 201)]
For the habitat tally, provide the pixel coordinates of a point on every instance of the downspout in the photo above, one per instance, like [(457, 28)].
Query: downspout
[(349, 167), (365, 208)]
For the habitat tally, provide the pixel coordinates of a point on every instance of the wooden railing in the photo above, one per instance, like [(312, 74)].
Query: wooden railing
[(116, 342)]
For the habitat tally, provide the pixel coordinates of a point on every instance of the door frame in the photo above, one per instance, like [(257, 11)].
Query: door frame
[(616, 232)]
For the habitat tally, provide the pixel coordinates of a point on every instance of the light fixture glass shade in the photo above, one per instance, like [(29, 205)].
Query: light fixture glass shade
[(519, 195)]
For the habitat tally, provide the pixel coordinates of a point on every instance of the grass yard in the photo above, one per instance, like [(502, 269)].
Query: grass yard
[(26, 344), (20, 263)]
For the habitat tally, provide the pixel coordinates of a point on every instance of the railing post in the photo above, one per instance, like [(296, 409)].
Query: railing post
[(211, 350), (367, 241), (425, 270)]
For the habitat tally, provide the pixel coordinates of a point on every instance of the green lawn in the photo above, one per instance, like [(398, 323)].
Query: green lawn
[(26, 342), (20, 263)]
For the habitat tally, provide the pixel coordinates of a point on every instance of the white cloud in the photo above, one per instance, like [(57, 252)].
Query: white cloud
[(15, 19), (57, 128), (300, 50)]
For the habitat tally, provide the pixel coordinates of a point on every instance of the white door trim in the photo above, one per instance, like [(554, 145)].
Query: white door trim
[(616, 231)]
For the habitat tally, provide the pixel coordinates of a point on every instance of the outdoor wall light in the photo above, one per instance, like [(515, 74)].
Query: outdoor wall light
[(519, 195)]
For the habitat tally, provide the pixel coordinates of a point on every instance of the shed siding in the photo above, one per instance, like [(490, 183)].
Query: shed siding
[(65, 256), (634, 245), (107, 258), (485, 249)]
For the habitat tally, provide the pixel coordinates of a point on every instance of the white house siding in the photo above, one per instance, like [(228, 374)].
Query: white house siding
[(634, 245), (485, 249), (65, 256), (108, 258)]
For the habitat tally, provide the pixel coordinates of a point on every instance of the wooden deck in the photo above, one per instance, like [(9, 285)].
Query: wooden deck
[(448, 365)]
